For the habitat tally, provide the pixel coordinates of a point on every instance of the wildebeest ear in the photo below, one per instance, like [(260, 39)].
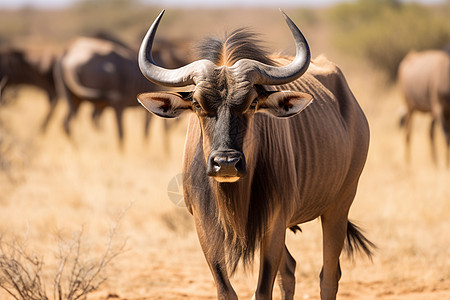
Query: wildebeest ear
[(285, 103), (164, 104)]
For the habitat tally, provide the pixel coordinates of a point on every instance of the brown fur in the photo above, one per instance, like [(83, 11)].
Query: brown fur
[(244, 209)]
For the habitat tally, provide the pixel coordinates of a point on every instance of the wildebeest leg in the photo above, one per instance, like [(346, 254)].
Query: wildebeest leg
[(432, 143), (401, 120), (334, 228), (272, 248), (63, 91), (408, 127), (74, 105), (96, 114), (446, 128), (216, 263), (52, 99), (119, 111), (2, 85), (448, 150), (447, 141), (286, 275)]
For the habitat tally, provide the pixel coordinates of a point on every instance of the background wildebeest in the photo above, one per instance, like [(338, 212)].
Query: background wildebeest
[(249, 176), (21, 67), (424, 79), (2, 84), (103, 71)]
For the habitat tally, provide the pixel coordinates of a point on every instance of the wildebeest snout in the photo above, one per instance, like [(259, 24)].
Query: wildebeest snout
[(226, 166)]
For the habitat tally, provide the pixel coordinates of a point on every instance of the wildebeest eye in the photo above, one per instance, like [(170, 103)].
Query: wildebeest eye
[(254, 103), (196, 106)]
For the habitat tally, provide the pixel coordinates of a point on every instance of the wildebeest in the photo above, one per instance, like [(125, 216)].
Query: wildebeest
[(104, 72), (424, 79), (23, 67), (253, 166)]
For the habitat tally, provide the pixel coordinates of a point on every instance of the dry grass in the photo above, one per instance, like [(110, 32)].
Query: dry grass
[(65, 184)]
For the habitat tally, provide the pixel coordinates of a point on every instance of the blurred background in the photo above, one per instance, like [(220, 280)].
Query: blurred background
[(53, 185)]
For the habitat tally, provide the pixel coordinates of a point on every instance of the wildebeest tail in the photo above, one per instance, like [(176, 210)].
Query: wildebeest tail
[(357, 242)]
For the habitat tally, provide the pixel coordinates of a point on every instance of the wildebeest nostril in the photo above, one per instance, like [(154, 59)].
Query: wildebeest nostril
[(238, 164), (225, 162), (235, 161), (217, 163)]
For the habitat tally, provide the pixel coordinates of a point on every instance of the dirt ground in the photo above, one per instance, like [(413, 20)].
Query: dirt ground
[(52, 186)]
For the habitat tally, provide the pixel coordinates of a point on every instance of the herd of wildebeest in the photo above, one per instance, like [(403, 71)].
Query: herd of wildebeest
[(103, 70), (99, 69), (272, 141)]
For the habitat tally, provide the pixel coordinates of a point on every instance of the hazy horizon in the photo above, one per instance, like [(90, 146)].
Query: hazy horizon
[(48, 4)]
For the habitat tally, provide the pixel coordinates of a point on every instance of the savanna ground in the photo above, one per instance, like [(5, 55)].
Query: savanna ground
[(52, 187)]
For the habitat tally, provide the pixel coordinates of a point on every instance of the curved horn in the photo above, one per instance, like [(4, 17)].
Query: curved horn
[(270, 75), (168, 77)]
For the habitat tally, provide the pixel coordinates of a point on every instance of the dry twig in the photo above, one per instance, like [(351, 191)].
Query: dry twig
[(76, 276)]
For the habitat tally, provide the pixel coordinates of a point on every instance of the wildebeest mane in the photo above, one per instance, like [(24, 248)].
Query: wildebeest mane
[(239, 44)]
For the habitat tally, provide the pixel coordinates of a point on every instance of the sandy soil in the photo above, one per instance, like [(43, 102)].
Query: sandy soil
[(52, 186)]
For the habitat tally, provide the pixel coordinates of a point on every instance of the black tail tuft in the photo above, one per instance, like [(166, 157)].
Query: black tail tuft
[(357, 242), (295, 228)]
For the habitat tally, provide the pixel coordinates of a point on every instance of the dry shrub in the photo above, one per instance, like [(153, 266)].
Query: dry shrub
[(20, 272), (76, 276)]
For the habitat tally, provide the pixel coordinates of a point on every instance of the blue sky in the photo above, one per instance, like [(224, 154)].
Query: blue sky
[(191, 3)]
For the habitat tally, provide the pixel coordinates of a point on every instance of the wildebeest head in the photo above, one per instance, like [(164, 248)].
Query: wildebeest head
[(227, 93)]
